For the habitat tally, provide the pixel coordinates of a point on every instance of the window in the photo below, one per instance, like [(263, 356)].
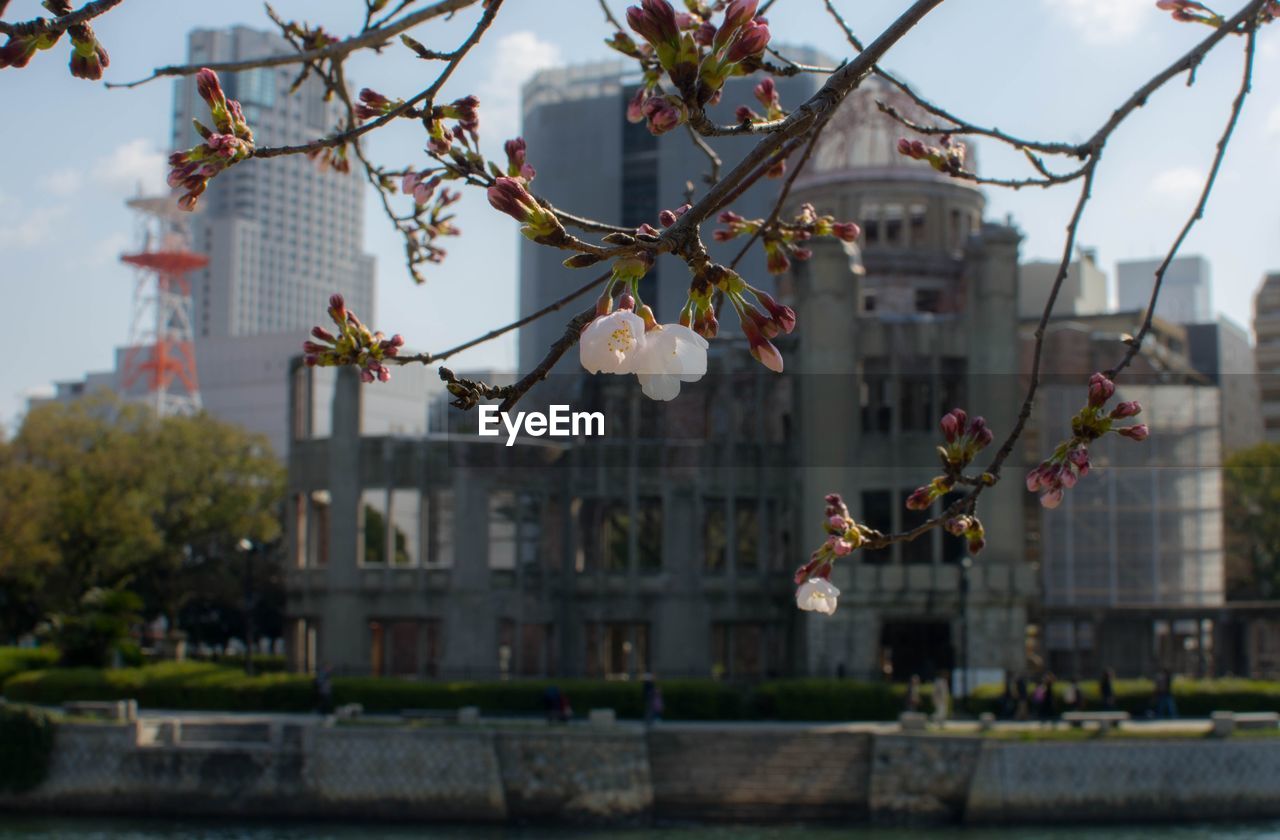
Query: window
[(440, 528), (877, 514), (919, 550), (871, 223), (503, 528), (737, 649), (746, 535), (915, 408), (928, 300), (617, 649), (874, 396), (916, 219), (715, 536), (893, 224), (649, 534), (318, 529)]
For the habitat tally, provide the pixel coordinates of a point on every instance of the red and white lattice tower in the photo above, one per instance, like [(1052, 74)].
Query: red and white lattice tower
[(161, 353)]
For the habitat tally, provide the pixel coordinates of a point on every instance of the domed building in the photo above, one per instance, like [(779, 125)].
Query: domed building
[(921, 318)]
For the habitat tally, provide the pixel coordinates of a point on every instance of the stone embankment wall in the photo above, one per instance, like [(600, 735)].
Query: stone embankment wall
[(622, 774)]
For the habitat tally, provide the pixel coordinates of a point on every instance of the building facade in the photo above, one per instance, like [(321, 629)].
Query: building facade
[(282, 234), (668, 545), (1266, 335), (1132, 562), (1185, 296), (1083, 291)]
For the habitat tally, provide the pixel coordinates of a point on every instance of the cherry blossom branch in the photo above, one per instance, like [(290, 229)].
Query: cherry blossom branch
[(369, 39), (46, 26), (832, 93), (1246, 85), (430, 358), (428, 95)]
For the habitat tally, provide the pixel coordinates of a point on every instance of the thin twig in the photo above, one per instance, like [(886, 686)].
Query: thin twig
[(42, 26), (1246, 84), (372, 38)]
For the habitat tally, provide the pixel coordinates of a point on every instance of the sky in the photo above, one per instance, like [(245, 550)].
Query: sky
[(73, 151)]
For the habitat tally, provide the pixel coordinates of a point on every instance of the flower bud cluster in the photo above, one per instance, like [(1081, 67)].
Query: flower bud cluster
[(230, 142), (946, 157), (353, 345), (331, 157), (88, 58), (758, 326), (695, 54), (508, 195), (963, 441), (1189, 11), (969, 527), (1070, 460), (766, 94), (373, 105), (431, 219), (844, 536), (782, 240)]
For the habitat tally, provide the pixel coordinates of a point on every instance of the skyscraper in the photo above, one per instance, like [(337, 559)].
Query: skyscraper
[(1184, 294), (1266, 335), (282, 235)]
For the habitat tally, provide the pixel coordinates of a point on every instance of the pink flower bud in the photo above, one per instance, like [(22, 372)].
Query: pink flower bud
[(208, 86), (1051, 499), (751, 41), (920, 498), (323, 334), (1137, 432), (1130, 408), (655, 21), (846, 231), (1101, 389), (509, 196), (736, 15), (839, 547)]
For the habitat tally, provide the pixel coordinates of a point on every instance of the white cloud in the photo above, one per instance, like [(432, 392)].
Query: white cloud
[(1178, 183), (31, 228), (63, 181), (517, 57), (1273, 121), (1102, 21), (131, 164)]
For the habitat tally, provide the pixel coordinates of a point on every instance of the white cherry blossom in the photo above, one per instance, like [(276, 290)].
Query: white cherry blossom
[(612, 343), (817, 595), (672, 354)]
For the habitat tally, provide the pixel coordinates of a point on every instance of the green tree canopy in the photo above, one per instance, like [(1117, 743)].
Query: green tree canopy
[(1252, 520), (101, 493)]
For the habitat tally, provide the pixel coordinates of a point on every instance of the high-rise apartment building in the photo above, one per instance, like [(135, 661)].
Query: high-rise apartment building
[(1266, 335), (1083, 291), (1185, 296), (281, 234)]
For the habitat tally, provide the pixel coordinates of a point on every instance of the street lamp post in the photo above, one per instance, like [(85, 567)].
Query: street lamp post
[(965, 565), (248, 548)]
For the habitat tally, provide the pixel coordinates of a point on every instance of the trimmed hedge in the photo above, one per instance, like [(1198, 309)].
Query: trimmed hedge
[(1194, 698), (15, 660), (27, 735), (204, 685)]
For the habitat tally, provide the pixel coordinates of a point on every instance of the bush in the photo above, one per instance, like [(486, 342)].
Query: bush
[(1194, 698), (27, 735), (826, 699), (15, 660)]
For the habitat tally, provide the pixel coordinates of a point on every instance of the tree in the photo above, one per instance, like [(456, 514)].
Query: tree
[(104, 495), (1252, 502), (684, 58)]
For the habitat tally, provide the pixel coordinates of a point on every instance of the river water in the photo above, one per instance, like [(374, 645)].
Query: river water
[(43, 828)]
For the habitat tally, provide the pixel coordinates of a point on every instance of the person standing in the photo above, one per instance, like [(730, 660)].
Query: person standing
[(1024, 702), (652, 700), (1045, 703), (941, 699), (912, 703), (324, 689), (1107, 688), (1165, 706)]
